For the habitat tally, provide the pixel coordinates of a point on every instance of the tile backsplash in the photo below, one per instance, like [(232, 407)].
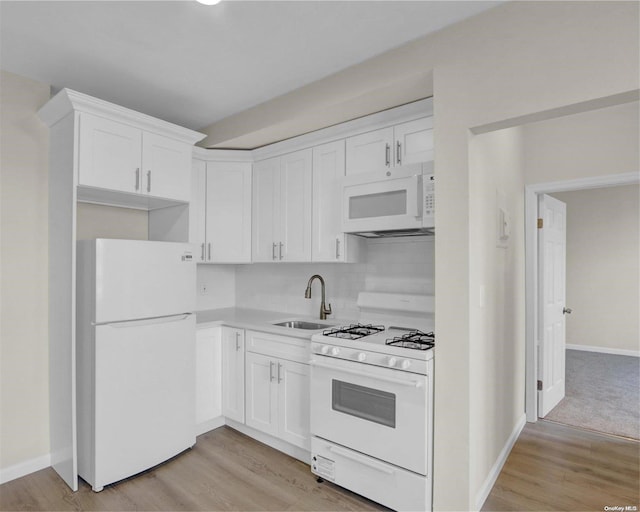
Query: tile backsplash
[(399, 265)]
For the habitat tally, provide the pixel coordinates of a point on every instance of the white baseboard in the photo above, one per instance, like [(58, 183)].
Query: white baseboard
[(24, 468), (209, 425), (489, 482), (604, 350)]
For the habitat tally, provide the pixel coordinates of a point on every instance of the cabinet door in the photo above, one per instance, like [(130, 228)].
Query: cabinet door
[(414, 141), (166, 165), (109, 154), (233, 373), (328, 173), (295, 207), (229, 211), (197, 209), (293, 403), (370, 152), (208, 374), (262, 393), (265, 210)]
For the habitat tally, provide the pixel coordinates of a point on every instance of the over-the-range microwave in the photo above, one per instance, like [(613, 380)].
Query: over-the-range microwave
[(398, 205)]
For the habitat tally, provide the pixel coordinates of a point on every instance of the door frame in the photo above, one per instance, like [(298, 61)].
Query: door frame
[(531, 268)]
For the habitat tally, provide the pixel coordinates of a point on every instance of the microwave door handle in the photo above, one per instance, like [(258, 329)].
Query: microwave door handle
[(414, 200)]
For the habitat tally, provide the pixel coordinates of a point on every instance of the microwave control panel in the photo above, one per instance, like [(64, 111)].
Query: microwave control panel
[(429, 196)]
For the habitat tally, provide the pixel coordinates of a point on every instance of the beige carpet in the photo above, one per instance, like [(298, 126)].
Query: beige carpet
[(602, 393)]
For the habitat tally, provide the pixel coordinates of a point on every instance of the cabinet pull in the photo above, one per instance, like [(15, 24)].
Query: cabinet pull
[(271, 363), (137, 178), (280, 244), (279, 378), (148, 181), (387, 155), (273, 251), (237, 341), (337, 248), (398, 152), (202, 251), (209, 248)]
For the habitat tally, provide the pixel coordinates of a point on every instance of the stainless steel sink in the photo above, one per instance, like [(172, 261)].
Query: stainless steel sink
[(302, 324)]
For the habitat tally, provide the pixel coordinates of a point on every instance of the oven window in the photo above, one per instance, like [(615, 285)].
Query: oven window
[(366, 403)]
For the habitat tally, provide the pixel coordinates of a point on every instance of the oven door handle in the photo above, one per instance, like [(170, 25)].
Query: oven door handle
[(361, 460), (408, 383)]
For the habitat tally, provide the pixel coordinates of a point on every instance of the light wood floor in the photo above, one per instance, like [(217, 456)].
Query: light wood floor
[(551, 467)]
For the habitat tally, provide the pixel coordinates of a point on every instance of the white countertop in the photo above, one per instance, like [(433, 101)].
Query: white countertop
[(261, 320)]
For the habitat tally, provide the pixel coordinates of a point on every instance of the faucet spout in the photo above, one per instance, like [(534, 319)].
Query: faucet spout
[(324, 309)]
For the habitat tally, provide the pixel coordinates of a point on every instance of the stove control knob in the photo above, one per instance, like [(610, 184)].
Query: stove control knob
[(361, 356), (391, 361), (405, 364), (335, 351), (324, 349)]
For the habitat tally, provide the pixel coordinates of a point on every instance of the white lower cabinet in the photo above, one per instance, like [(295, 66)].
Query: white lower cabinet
[(233, 374), (208, 378), (277, 389)]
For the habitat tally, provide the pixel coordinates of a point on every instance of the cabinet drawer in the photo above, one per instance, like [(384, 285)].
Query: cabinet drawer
[(285, 347)]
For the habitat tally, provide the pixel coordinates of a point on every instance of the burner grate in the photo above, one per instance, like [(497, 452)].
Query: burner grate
[(416, 340), (353, 331)]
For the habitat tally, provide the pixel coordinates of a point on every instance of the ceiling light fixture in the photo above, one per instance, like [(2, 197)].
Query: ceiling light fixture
[(209, 2)]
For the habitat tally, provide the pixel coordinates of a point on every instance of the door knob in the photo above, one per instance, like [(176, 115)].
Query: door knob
[(566, 311)]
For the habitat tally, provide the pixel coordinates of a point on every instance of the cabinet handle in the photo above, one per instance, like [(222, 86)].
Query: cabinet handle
[(398, 152), (137, 178), (387, 155), (202, 253), (337, 248), (273, 251), (237, 341), (209, 249), (148, 181), (280, 244), (271, 363), (279, 368)]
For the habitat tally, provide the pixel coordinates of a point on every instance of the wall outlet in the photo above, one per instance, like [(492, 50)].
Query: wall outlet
[(203, 289)]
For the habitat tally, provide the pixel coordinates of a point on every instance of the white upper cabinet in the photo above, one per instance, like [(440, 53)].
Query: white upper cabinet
[(228, 215), (116, 156), (379, 151), (220, 211), (282, 208)]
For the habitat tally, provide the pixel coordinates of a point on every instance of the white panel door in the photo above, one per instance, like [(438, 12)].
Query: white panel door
[(198, 209), (233, 373), (109, 154), (140, 279), (414, 141), (295, 206), (370, 152), (293, 403), (551, 276), (328, 173), (261, 393), (144, 395), (229, 211), (266, 210), (166, 167), (208, 374)]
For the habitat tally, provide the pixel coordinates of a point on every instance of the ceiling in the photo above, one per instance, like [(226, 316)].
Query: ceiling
[(193, 64)]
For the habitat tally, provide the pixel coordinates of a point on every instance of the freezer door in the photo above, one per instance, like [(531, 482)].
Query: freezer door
[(144, 395), (140, 279)]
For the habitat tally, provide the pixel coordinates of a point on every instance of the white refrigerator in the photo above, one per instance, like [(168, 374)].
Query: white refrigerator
[(135, 356)]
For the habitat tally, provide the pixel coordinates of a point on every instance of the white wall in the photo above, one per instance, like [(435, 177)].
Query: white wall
[(497, 299), (220, 284), (603, 260), (98, 221), (402, 265), (24, 361)]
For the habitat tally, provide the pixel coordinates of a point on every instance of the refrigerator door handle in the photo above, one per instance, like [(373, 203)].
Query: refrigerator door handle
[(147, 321)]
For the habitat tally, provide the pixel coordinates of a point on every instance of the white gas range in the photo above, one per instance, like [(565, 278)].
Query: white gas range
[(372, 407)]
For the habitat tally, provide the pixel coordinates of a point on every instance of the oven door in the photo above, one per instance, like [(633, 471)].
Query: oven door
[(377, 411)]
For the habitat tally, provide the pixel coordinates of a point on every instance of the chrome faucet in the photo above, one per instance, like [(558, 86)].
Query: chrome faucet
[(324, 309)]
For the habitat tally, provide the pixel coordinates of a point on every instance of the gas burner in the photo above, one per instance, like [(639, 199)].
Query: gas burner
[(416, 340), (353, 331)]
